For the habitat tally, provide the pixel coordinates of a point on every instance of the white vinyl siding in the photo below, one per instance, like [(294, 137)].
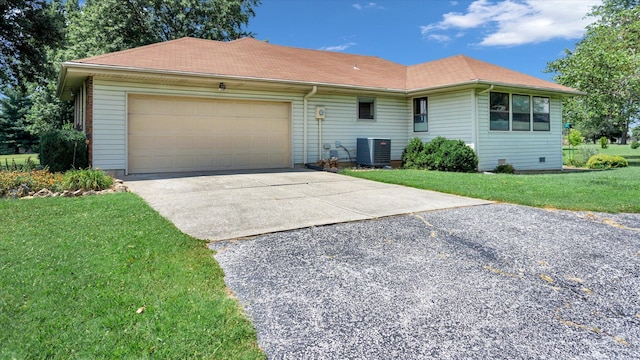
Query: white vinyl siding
[(110, 113), (341, 124), (450, 116), (522, 149)]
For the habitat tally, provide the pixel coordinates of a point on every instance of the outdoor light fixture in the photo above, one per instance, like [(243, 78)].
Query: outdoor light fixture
[(222, 86)]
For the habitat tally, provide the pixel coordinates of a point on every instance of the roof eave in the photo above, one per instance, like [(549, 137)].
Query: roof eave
[(478, 82), (84, 69), (111, 69)]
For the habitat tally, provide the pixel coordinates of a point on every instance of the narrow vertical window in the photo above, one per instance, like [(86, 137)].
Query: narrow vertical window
[(541, 114), (521, 107), (499, 111), (366, 108), (420, 115)]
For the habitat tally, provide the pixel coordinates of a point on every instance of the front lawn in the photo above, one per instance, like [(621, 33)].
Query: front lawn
[(107, 277), (615, 190)]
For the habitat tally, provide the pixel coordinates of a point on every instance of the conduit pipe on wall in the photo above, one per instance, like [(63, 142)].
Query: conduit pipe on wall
[(304, 122)]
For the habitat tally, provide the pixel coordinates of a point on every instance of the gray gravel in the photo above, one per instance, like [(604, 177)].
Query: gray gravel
[(499, 281)]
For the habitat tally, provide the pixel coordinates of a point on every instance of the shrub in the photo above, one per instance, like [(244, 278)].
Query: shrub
[(580, 157), (62, 150), (411, 153), (604, 142), (440, 154), (87, 179), (602, 161), (455, 155), (504, 169), (635, 145), (574, 138)]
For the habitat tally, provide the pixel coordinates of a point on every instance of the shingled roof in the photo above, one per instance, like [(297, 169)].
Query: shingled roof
[(254, 59)]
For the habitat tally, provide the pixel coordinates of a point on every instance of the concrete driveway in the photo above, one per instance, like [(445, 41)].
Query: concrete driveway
[(484, 282), (228, 205)]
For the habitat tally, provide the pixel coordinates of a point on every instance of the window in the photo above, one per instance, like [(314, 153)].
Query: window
[(499, 111), (524, 108), (521, 105), (420, 115), (366, 108), (541, 117)]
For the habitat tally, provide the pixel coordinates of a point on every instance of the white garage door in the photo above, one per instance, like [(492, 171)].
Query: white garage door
[(168, 134)]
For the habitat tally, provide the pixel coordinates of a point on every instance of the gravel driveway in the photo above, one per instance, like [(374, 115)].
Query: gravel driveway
[(496, 281)]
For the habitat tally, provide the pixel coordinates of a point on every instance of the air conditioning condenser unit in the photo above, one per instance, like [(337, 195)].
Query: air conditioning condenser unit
[(374, 152)]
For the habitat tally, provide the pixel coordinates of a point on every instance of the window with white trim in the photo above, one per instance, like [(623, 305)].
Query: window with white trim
[(516, 112), (521, 117), (499, 111), (366, 108), (541, 114), (420, 115)]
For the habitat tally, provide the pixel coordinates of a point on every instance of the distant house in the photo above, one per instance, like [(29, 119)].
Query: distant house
[(192, 104)]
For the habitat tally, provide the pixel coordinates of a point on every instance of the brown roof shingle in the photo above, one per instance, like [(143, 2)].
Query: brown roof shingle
[(252, 58)]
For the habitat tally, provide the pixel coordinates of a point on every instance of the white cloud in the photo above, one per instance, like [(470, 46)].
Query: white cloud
[(370, 5), (453, 3), (518, 22), (439, 37), (342, 47)]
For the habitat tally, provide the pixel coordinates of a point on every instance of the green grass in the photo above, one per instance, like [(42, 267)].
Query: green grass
[(612, 191), (74, 271), (19, 159)]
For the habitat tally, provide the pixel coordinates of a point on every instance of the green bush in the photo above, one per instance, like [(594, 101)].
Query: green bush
[(411, 153), (580, 157), (63, 149), (574, 138), (87, 179), (504, 169), (602, 161), (604, 142), (635, 145), (440, 154)]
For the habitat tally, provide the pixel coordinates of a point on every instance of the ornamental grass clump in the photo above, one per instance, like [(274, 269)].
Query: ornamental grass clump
[(87, 179)]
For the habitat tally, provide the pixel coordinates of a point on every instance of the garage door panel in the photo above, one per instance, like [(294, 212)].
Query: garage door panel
[(183, 134)]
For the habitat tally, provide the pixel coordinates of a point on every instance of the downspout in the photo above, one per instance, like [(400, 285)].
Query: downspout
[(476, 125), (319, 139), (304, 122), (486, 90)]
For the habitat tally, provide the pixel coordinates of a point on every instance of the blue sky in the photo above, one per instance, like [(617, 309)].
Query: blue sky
[(522, 35)]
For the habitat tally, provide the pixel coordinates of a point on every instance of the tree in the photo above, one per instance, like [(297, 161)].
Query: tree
[(100, 26), (47, 112), (28, 28), (605, 65), (635, 133), (13, 122)]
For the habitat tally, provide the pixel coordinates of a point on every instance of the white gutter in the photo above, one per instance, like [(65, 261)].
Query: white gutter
[(304, 122)]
